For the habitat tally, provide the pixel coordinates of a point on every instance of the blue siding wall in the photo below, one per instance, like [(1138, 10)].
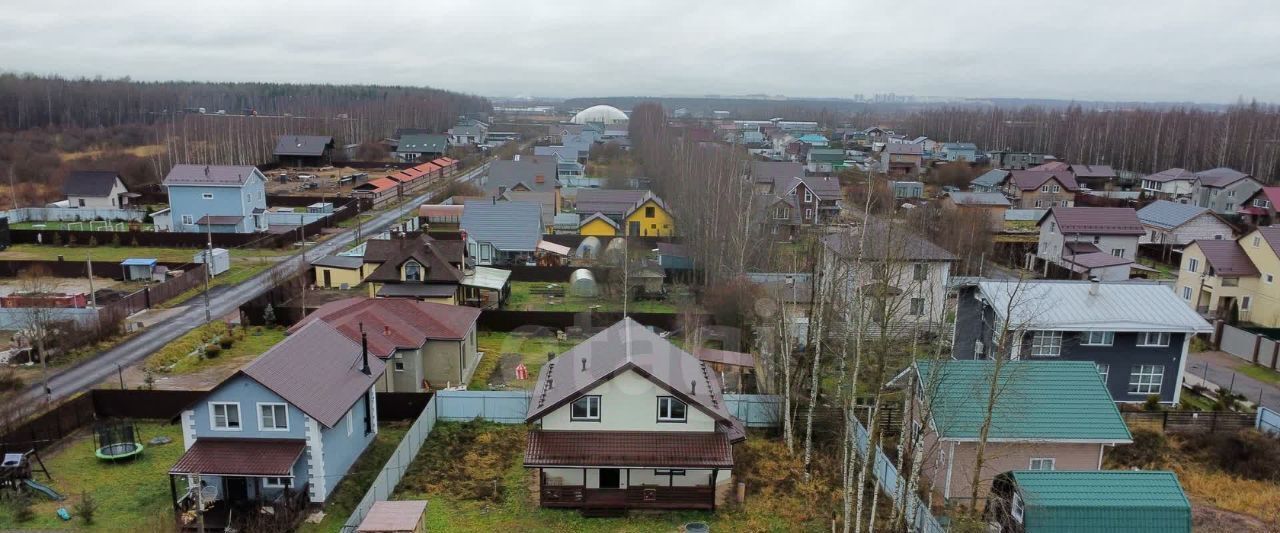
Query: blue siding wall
[(226, 201), (248, 393), (340, 450)]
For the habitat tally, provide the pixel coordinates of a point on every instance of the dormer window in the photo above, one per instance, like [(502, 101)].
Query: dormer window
[(412, 271), (586, 409), (671, 409)]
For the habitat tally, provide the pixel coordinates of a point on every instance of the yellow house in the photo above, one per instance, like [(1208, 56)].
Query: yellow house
[(338, 272), (1219, 276), (598, 225), (418, 268), (649, 218)]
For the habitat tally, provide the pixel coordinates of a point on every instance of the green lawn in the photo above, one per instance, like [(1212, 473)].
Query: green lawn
[(533, 352), (351, 489), (1163, 271), (522, 299), (104, 252), (176, 358), (131, 495), (238, 273), (1260, 373), (96, 226)]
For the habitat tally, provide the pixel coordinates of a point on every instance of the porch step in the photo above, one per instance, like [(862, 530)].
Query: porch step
[(603, 512)]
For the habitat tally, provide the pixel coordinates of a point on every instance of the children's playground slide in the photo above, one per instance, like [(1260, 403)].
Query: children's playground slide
[(50, 493)]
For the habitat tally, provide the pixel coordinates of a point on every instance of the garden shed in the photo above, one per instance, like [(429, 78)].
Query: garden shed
[(583, 283), (138, 268), (1058, 501)]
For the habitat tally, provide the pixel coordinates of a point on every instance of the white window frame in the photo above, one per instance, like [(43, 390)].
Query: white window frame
[(262, 416), (1098, 338), (350, 424), (808, 195), (188, 220), (1118, 252), (275, 482), (917, 307), (1146, 379), (1245, 302), (1015, 507), (665, 407), (207, 196), (1046, 343), (1104, 371), (213, 417), (1162, 339), (1192, 264), (920, 271), (417, 270), (593, 402), (1256, 241), (1052, 462), (397, 363), (1186, 293)]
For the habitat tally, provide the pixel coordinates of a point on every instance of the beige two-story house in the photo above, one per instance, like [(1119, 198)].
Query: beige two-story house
[(1041, 189), (1099, 242)]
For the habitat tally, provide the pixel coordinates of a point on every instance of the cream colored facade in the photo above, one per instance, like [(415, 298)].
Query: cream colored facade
[(628, 402), (1214, 295)]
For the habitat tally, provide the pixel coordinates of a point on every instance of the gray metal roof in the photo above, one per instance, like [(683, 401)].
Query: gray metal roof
[(339, 261), (222, 175), (509, 226), (979, 198), (302, 145), (507, 174), (992, 178), (1169, 215), (90, 183), (1069, 306)]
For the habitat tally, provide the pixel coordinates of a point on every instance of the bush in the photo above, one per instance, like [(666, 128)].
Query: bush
[(85, 508), (1152, 403), (1150, 449), (1248, 453), (9, 380), (226, 342), (19, 505), (213, 350)]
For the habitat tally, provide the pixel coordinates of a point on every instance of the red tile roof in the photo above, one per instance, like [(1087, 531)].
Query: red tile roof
[(395, 323), (240, 457), (656, 449), (379, 185), (1096, 220)]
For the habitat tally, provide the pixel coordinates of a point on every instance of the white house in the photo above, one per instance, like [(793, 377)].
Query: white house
[(1175, 223), (627, 420), (1097, 242), (1171, 184), (95, 189)]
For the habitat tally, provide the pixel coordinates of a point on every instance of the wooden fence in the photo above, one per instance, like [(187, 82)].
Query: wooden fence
[(1190, 421), (504, 320), (72, 268)]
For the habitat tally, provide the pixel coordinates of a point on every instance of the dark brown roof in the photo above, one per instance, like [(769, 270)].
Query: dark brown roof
[(1093, 171), (219, 220), (208, 175), (240, 457), (1227, 257), (610, 202), (316, 369), (1096, 220), (886, 242), (904, 149), (1272, 236), (629, 346), (768, 171), (416, 290), (1097, 260), (1029, 180), (90, 183), (302, 145), (726, 357), (438, 269), (1172, 174), (657, 449), (395, 323)]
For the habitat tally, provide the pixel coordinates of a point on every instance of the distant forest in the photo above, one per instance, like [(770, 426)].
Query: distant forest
[(44, 118)]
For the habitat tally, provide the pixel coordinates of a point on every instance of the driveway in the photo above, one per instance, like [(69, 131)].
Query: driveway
[(93, 371), (1219, 368)]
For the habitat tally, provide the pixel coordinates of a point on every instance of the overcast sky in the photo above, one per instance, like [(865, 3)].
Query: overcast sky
[(1170, 50)]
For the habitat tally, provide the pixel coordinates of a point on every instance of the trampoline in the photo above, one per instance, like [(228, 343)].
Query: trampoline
[(116, 441)]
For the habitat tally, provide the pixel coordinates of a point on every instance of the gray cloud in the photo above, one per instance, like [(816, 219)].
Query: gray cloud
[(1207, 51)]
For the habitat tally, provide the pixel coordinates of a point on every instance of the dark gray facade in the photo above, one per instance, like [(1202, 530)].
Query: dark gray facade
[(977, 322)]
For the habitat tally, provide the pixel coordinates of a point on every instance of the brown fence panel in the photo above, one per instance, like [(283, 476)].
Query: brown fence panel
[(503, 320), (146, 404), (401, 406), (70, 268), (50, 427), (152, 238), (1190, 421)]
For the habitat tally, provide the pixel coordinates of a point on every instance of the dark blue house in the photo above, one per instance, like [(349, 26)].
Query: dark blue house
[(1137, 333)]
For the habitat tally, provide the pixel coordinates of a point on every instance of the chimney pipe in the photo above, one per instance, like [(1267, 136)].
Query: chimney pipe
[(693, 387), (386, 330), (584, 364), (364, 353), (1093, 286)]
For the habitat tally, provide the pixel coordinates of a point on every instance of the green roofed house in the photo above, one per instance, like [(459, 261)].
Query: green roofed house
[(1046, 415), (1031, 501), (825, 160)]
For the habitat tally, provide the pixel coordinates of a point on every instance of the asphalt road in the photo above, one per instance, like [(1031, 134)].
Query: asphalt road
[(1219, 368), (88, 373)]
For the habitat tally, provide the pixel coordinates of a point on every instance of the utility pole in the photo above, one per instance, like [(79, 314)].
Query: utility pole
[(197, 485), (302, 230), (208, 273)]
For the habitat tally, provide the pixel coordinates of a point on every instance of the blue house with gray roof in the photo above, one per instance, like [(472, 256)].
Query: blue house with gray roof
[(217, 198), (280, 433), (502, 233)]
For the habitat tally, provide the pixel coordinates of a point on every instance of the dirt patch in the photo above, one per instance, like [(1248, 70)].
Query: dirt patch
[(1208, 519), (506, 372)]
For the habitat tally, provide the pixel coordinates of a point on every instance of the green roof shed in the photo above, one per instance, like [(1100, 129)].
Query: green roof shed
[(1100, 501)]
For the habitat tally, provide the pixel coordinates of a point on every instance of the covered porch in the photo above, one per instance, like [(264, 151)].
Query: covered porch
[(242, 484), (619, 470)]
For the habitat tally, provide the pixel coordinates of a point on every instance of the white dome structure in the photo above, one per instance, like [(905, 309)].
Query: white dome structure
[(606, 114)]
